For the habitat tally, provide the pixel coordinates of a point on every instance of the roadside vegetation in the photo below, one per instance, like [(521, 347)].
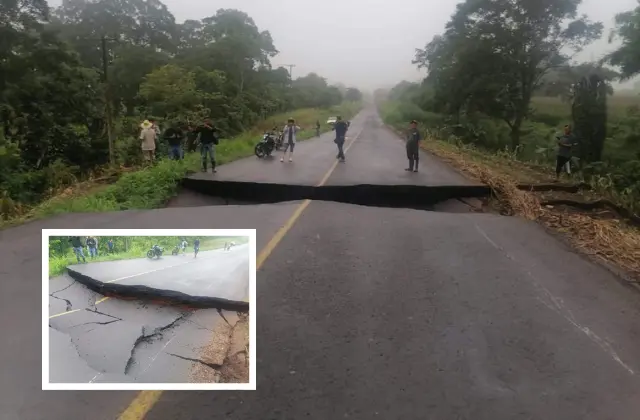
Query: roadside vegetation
[(79, 79), (61, 252), (494, 109)]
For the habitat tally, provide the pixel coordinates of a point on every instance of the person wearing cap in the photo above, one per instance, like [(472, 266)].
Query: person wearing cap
[(208, 141), (148, 136), (289, 135), (413, 147), (340, 128)]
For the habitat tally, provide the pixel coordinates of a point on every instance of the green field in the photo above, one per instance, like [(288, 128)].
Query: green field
[(127, 247)]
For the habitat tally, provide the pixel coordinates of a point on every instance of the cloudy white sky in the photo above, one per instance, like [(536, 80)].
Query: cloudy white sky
[(364, 43)]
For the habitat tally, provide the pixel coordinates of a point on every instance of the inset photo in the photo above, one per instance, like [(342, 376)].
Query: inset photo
[(148, 309)]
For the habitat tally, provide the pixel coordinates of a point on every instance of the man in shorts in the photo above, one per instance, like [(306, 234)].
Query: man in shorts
[(289, 136)]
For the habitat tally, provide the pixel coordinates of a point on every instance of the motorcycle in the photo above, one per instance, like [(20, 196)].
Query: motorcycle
[(267, 145), (176, 250), (155, 252)]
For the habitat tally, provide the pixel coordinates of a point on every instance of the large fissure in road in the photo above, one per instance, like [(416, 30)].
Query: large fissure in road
[(145, 293), (391, 196)]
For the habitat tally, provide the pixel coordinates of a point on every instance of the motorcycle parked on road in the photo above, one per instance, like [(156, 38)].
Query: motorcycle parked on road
[(176, 250), (268, 144), (155, 252)]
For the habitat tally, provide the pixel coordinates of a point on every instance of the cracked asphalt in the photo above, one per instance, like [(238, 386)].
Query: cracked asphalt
[(371, 312), (93, 339)]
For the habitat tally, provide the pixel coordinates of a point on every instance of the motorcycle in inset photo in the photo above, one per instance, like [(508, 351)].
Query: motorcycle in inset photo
[(176, 250), (155, 252)]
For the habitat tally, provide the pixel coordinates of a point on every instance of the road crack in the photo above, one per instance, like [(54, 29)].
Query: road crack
[(98, 323), (147, 338), (213, 366), (67, 301), (102, 313)]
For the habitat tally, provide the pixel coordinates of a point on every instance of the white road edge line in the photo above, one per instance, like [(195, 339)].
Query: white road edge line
[(556, 304)]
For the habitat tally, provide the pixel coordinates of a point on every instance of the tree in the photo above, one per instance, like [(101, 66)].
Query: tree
[(494, 53), (627, 29), (589, 114), (353, 94)]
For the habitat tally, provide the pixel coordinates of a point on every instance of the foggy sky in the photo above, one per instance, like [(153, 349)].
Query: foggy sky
[(362, 43)]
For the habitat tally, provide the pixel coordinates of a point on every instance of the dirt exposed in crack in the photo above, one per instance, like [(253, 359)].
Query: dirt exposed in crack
[(228, 350), (209, 365), (147, 338)]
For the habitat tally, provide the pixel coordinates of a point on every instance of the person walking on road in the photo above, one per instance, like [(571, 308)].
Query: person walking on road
[(183, 246), (92, 244), (76, 243), (318, 128), (565, 148), (148, 136), (341, 129), (208, 141), (413, 147), (289, 132), (174, 136), (196, 247)]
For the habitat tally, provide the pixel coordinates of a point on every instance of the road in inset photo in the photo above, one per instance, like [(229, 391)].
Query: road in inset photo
[(149, 309)]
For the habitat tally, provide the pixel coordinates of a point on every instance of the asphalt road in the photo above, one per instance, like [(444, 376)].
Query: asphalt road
[(216, 273), (374, 313), (93, 339)]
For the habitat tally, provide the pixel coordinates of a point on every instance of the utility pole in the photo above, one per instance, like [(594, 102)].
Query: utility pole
[(291, 66), (107, 98)]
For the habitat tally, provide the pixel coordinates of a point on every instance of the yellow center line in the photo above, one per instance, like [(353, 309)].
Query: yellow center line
[(125, 278), (145, 400), (76, 310)]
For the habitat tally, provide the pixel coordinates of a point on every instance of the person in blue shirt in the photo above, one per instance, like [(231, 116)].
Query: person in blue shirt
[(341, 128), (413, 147), (196, 247)]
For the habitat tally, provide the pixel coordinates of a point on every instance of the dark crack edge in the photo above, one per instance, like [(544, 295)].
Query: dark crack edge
[(150, 293)]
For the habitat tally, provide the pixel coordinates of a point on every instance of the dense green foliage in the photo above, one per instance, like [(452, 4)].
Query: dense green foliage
[(501, 77), (127, 247), (56, 100)]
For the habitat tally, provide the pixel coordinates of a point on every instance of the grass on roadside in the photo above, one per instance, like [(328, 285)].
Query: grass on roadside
[(152, 187), (58, 264), (606, 238)]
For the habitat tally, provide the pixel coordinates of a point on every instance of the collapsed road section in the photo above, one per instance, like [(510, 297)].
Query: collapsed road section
[(109, 329), (418, 197)]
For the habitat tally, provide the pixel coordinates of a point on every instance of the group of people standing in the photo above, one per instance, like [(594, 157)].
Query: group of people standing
[(290, 131), (91, 242), (205, 134)]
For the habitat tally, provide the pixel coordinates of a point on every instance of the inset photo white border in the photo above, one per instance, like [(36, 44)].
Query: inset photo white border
[(46, 385)]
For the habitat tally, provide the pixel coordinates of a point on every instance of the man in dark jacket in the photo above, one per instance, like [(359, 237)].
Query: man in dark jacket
[(413, 147), (92, 244), (208, 141), (76, 243), (174, 136), (341, 128)]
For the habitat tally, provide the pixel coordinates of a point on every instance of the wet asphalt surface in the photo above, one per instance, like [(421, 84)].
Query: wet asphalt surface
[(94, 340), (373, 313)]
